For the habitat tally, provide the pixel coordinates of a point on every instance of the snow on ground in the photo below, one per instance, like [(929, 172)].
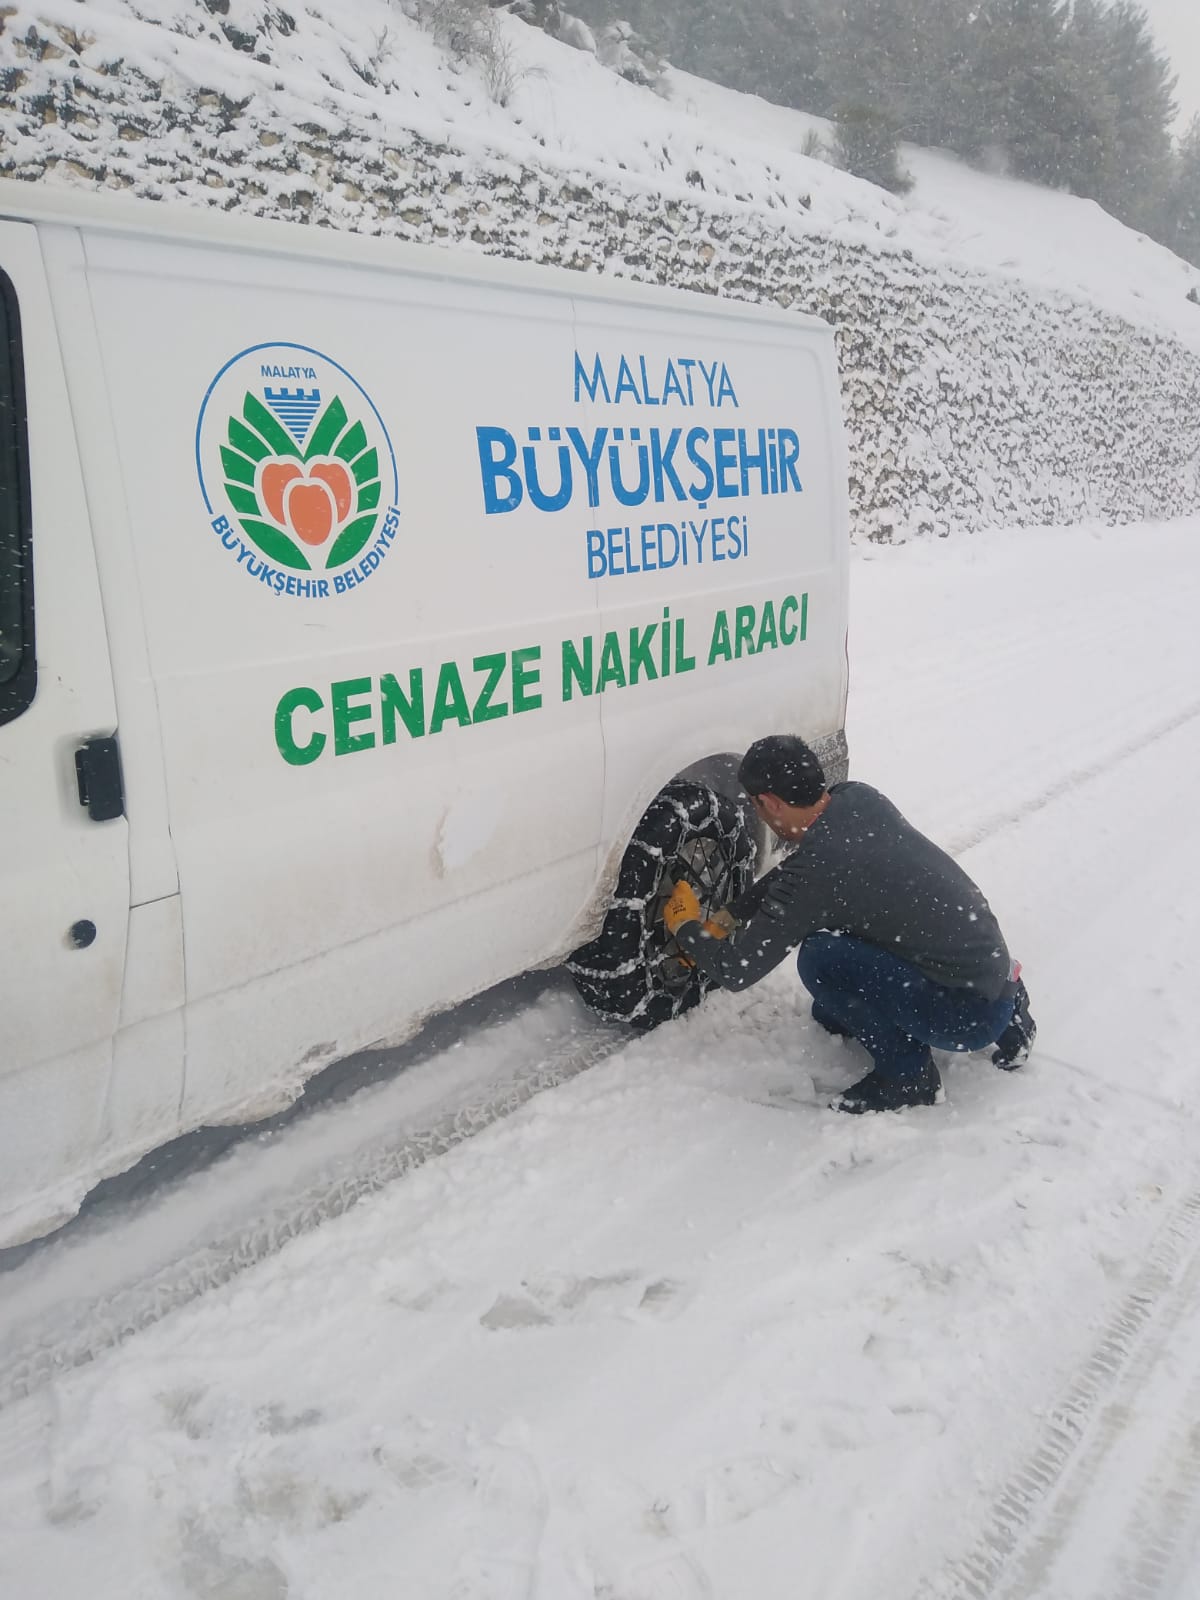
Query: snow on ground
[(676, 1330)]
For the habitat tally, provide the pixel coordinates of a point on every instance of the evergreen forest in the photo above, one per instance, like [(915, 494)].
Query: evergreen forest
[(1072, 94)]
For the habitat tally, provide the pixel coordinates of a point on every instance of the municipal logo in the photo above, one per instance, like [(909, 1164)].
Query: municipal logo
[(297, 471)]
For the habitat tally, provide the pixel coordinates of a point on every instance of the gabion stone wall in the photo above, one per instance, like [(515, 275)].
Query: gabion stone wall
[(971, 400)]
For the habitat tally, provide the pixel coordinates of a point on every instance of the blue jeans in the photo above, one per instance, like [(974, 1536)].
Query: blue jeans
[(895, 1010)]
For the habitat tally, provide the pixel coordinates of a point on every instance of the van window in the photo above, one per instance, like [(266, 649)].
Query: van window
[(18, 667)]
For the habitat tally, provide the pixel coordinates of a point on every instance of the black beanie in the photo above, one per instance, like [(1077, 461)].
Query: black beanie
[(782, 765)]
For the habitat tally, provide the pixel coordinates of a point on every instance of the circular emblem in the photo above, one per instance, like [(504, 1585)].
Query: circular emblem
[(297, 471)]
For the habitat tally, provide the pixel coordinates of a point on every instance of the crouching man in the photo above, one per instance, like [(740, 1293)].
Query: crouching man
[(897, 946)]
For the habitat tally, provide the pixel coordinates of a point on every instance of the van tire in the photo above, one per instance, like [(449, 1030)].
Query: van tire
[(633, 971)]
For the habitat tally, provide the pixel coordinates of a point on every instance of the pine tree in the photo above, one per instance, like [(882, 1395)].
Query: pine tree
[(944, 111), (788, 56), (1089, 132), (866, 145), (1142, 89), (877, 74), (1183, 205), (1027, 99), (766, 47), (878, 60)]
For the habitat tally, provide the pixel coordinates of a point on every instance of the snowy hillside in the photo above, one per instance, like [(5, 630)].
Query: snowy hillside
[(1010, 355)]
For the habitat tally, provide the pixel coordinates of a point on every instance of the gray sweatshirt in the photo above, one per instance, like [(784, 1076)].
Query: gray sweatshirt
[(861, 869)]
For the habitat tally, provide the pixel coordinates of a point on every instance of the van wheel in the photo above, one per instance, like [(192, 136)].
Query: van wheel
[(633, 971)]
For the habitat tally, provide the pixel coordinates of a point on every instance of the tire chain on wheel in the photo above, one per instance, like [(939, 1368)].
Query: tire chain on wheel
[(620, 972)]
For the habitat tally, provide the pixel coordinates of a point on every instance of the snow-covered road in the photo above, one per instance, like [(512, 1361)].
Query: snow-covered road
[(674, 1330)]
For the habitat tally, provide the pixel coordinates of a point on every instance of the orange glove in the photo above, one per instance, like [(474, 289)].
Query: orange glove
[(681, 907)]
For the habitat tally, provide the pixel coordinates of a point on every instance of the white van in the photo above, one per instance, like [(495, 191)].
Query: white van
[(359, 605)]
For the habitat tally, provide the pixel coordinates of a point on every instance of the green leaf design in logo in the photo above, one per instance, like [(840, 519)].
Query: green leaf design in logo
[(336, 436), (250, 442), (351, 471)]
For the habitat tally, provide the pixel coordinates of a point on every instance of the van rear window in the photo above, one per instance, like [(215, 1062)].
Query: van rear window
[(18, 673)]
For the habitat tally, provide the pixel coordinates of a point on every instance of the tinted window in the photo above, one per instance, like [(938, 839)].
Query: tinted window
[(18, 672)]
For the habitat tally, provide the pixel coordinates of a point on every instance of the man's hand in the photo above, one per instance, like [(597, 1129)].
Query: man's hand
[(682, 907)]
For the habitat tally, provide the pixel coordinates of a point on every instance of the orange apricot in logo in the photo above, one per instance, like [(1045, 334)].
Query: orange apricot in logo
[(337, 480), (276, 476), (310, 511)]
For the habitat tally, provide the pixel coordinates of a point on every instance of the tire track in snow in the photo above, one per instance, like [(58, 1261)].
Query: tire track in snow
[(1057, 679), (1051, 1511), (1163, 1530), (999, 820), (48, 1350)]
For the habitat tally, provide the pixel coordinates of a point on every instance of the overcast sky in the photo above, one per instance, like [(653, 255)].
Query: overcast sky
[(1176, 25)]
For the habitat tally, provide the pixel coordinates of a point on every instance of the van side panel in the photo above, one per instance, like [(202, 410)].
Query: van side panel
[(379, 801)]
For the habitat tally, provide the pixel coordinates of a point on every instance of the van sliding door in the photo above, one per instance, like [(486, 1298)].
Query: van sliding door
[(64, 875)]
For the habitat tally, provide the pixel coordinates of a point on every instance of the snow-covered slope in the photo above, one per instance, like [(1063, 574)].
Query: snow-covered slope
[(1010, 355)]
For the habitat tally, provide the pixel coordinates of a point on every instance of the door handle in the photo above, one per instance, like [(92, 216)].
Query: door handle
[(98, 773)]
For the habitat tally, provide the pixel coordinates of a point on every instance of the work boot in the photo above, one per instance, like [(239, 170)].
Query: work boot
[(876, 1092), (1015, 1043), (830, 1023)]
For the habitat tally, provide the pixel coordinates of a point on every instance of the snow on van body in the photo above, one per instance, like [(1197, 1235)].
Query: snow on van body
[(404, 581)]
